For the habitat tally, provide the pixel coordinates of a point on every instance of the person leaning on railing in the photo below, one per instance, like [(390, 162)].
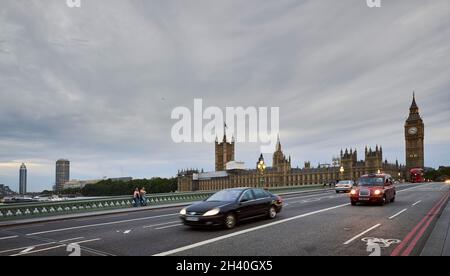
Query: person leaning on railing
[(136, 198), (142, 197)]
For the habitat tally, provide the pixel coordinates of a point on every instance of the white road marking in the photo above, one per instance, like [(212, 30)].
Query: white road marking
[(99, 224), (305, 196), (21, 248), (40, 250), (161, 224), (73, 239), (184, 248), (170, 226), (51, 248), (127, 232), (397, 214), (8, 238), (27, 250), (417, 203), (363, 233), (408, 189)]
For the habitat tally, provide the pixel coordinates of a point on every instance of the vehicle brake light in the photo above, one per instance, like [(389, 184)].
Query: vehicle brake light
[(279, 200)]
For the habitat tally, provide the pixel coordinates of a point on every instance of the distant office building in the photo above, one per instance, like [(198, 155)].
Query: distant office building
[(80, 184), (62, 173), (23, 179), (5, 190)]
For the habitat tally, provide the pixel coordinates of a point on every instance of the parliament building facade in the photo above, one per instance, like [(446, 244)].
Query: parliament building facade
[(282, 174)]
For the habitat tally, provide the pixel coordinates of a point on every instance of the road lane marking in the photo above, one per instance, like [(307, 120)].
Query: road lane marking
[(53, 247), (413, 232), (98, 224), (8, 238), (170, 226), (362, 234), (397, 214), (305, 196), (417, 203), (161, 224), (184, 248), (73, 239), (27, 250), (40, 250), (419, 235), (22, 248), (127, 232)]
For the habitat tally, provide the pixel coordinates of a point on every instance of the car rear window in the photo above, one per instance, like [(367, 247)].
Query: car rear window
[(260, 193)]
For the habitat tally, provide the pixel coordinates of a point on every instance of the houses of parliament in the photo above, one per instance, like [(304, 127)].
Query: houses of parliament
[(229, 175)]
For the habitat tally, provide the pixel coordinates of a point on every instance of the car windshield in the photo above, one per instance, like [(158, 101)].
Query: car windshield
[(344, 182), (371, 181), (225, 195)]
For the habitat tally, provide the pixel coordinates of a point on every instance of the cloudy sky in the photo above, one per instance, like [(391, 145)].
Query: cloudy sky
[(97, 84)]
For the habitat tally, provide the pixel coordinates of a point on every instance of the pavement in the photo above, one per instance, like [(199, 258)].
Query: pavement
[(319, 223)]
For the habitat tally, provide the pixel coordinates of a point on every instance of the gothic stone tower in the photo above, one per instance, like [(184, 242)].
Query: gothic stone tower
[(348, 162), (224, 153), (374, 160), (414, 137), (279, 160)]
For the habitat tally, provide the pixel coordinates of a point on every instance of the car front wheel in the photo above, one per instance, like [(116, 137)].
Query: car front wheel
[(230, 221), (272, 212)]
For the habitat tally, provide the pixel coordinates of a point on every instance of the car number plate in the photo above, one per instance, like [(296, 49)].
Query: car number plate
[(192, 219), (364, 198)]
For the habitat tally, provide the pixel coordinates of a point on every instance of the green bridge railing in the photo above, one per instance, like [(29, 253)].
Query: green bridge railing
[(46, 209)]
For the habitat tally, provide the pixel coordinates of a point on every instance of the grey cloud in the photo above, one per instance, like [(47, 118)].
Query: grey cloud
[(97, 84)]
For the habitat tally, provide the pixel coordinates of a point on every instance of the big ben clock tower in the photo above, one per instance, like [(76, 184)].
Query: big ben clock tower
[(414, 137)]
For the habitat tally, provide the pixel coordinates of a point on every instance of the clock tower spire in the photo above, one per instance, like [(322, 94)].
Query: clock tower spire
[(414, 137)]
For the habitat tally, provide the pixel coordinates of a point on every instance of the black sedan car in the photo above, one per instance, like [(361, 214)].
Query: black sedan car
[(228, 207)]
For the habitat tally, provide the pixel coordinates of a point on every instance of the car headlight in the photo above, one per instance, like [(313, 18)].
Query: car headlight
[(212, 212), (183, 212), (377, 192), (353, 192)]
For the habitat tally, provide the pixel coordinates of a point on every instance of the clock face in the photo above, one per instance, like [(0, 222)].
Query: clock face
[(412, 130)]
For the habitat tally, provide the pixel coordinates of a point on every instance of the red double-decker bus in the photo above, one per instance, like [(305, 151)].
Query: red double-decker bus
[(417, 175)]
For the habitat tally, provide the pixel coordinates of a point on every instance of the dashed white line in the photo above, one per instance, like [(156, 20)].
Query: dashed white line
[(127, 232), (363, 233), (27, 250), (184, 248), (417, 203), (73, 239), (51, 248), (397, 214), (99, 224), (161, 224), (170, 226), (40, 250), (21, 248), (8, 238)]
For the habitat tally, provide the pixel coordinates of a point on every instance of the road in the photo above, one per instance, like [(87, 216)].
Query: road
[(316, 223)]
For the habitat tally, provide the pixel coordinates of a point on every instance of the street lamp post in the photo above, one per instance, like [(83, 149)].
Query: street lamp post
[(261, 168)]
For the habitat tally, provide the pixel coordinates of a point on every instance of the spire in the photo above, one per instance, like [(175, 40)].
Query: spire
[(278, 143), (225, 132), (414, 108)]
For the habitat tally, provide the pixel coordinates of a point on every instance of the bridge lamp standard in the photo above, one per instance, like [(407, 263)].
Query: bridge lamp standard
[(261, 166)]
